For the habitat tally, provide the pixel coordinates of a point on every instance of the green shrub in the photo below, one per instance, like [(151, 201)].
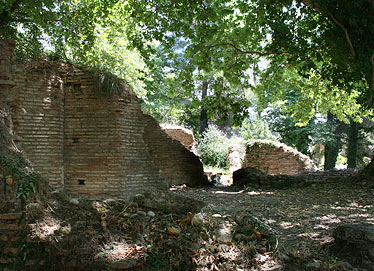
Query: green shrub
[(213, 148), (257, 129)]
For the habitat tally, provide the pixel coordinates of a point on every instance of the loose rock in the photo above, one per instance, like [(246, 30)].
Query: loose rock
[(197, 220), (74, 201), (151, 214)]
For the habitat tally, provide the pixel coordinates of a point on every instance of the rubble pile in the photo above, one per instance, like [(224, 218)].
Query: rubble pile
[(113, 234)]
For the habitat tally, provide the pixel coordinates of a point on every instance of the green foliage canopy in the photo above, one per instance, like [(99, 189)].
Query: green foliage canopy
[(328, 42)]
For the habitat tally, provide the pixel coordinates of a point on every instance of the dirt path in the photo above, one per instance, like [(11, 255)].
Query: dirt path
[(303, 217)]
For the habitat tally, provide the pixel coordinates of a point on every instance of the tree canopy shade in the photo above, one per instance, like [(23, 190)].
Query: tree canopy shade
[(328, 42), (59, 24), (329, 39)]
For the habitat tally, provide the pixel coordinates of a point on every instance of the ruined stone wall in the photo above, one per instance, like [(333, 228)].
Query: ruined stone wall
[(92, 156), (276, 158), (184, 136), (38, 117), (91, 144), (177, 164), (235, 157), (104, 151)]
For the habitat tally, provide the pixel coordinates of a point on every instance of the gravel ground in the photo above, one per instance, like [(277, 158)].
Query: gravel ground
[(303, 218)]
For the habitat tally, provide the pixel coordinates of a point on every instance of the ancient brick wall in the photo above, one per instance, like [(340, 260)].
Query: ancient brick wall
[(235, 156), (276, 158), (6, 84), (92, 144), (184, 136), (89, 143), (104, 151), (177, 164), (38, 116), (92, 157)]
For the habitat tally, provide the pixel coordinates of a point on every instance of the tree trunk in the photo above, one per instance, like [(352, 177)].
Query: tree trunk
[(332, 148), (203, 112), (352, 144)]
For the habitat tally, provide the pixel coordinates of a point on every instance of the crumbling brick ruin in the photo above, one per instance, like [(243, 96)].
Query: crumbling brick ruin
[(276, 158), (177, 163), (183, 135), (92, 144)]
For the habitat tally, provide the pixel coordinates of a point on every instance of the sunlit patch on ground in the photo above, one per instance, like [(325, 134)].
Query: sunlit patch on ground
[(303, 218), (255, 193)]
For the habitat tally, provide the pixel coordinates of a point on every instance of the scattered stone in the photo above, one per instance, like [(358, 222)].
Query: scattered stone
[(224, 234), (74, 201), (197, 220), (173, 230), (99, 207), (355, 242), (151, 214), (216, 216), (139, 199), (9, 180)]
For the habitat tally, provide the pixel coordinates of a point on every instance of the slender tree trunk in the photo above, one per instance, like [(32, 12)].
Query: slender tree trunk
[(352, 144), (332, 148), (203, 112)]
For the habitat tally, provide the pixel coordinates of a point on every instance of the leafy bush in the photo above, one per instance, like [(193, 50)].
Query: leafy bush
[(213, 147), (257, 129)]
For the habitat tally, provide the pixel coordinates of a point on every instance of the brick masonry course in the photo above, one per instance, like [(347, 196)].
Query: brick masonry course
[(91, 144), (276, 158)]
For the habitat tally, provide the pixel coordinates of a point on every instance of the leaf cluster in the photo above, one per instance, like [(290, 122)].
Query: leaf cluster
[(26, 179)]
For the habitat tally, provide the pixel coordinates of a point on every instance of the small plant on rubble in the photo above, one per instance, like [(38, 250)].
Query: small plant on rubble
[(18, 170)]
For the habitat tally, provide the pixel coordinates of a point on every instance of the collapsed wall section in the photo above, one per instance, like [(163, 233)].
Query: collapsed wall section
[(177, 164), (184, 136), (89, 143), (92, 153), (276, 158), (104, 151), (38, 117)]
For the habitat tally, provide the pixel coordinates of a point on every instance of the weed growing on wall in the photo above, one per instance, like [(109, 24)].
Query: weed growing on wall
[(106, 83), (17, 169)]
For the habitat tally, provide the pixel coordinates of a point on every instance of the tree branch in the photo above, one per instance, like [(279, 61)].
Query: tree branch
[(238, 50), (6, 14), (328, 14), (163, 7)]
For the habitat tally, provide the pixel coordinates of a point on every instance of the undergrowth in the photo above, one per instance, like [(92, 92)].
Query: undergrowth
[(19, 170)]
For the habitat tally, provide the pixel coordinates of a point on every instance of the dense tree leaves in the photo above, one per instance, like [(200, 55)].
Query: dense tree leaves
[(328, 41)]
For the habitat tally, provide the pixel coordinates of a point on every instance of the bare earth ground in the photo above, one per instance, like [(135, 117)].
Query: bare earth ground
[(303, 218)]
